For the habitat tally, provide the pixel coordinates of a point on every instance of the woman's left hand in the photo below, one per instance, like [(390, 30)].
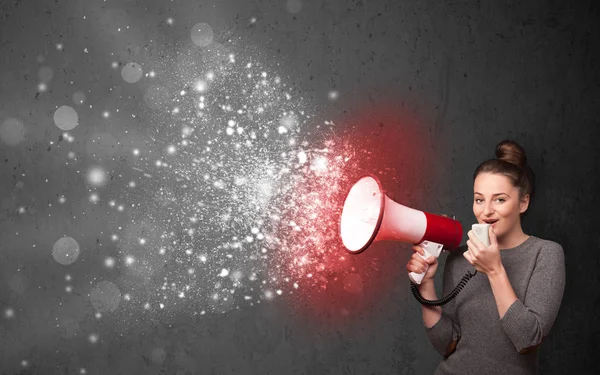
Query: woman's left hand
[(485, 259)]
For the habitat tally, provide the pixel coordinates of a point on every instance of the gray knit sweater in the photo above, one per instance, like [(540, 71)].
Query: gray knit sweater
[(470, 334)]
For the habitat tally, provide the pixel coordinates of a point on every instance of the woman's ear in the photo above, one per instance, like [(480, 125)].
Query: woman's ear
[(524, 203)]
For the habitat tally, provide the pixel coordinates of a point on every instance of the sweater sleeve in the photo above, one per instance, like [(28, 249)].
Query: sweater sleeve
[(446, 332), (527, 322)]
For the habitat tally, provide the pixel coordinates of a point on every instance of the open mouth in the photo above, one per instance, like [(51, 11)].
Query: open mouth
[(490, 221)]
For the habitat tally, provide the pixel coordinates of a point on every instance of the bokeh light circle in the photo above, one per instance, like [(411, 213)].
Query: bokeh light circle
[(202, 34), (131, 72), (96, 176), (12, 132), (66, 118), (65, 251), (105, 297)]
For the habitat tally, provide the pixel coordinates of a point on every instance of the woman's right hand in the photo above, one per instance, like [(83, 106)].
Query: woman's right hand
[(418, 264)]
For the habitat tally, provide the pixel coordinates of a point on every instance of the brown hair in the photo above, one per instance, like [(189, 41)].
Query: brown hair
[(511, 162)]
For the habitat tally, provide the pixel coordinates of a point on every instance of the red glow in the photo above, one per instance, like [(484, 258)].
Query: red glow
[(333, 285)]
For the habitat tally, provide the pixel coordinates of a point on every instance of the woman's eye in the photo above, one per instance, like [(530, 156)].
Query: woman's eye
[(500, 200)]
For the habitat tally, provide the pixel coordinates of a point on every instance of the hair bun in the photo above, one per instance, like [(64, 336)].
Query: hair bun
[(511, 152)]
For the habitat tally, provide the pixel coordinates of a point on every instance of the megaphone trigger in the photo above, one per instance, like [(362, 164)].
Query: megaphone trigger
[(429, 249)]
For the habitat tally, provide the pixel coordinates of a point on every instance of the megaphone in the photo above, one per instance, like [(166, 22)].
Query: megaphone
[(369, 216)]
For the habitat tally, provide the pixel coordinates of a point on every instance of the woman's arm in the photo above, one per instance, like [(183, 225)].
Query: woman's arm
[(503, 291), (431, 314), (527, 322)]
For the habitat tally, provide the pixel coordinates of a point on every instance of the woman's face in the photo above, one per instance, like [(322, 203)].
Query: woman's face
[(496, 200)]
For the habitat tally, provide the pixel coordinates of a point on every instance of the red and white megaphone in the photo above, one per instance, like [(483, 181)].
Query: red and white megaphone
[(369, 216)]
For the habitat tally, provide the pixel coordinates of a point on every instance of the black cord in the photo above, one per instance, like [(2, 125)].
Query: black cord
[(445, 299)]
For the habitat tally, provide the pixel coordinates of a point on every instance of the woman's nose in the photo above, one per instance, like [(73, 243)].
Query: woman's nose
[(488, 209)]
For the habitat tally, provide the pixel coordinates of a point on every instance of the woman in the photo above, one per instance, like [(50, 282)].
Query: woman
[(503, 313)]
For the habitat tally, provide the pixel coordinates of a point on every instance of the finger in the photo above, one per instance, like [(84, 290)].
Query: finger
[(417, 260), (472, 253), (417, 268), (474, 241), (431, 259), (467, 257), (493, 238), (418, 249)]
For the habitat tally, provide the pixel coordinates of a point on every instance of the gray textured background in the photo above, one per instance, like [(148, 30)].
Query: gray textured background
[(472, 73)]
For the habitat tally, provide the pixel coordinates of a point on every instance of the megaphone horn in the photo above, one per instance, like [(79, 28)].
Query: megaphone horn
[(369, 216)]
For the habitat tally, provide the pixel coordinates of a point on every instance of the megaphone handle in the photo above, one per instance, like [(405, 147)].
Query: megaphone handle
[(430, 249)]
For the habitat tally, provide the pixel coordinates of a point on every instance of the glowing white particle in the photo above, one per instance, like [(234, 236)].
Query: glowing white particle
[(319, 164), (94, 198), (203, 258), (247, 298), (282, 130), (62, 199), (181, 295), (114, 237), (295, 285), (98, 315), (182, 92), (224, 272), (268, 294), (129, 260), (142, 241), (9, 313), (188, 252), (200, 86), (93, 338), (260, 236), (161, 251), (24, 363), (146, 306), (152, 74), (96, 176), (229, 131), (106, 114), (279, 292), (82, 371), (127, 297), (190, 271), (109, 262), (136, 152), (333, 95), (68, 289), (254, 230), (120, 208), (42, 87), (240, 130), (249, 239), (68, 277), (59, 46), (162, 306), (302, 157), (170, 21)]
